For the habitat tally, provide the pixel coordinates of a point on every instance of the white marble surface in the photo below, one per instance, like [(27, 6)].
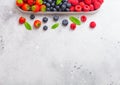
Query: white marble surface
[(61, 56)]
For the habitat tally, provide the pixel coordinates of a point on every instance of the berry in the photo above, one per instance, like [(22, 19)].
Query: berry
[(65, 22), (32, 16), (22, 20), (72, 8), (45, 19), (25, 1), (73, 2), (88, 2), (86, 8), (43, 8), (97, 5), (92, 25), (19, 3), (49, 1), (63, 7), (73, 26), (30, 2), (39, 2), (83, 18), (101, 1), (78, 8), (48, 4), (91, 7), (45, 27), (35, 8), (37, 24), (56, 18), (82, 4), (68, 5), (26, 7)]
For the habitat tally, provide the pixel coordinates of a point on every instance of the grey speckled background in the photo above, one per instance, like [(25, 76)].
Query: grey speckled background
[(60, 57)]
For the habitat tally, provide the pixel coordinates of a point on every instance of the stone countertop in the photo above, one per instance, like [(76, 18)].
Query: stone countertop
[(61, 56)]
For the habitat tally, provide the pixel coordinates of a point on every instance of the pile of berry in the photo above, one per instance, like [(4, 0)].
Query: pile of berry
[(59, 5)]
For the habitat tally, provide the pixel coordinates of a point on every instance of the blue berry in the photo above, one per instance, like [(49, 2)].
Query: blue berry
[(32, 16), (45, 27), (56, 18), (45, 19), (65, 22)]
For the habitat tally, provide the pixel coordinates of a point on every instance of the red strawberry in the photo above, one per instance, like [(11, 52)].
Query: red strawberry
[(73, 2), (86, 8), (39, 2), (35, 8), (78, 8), (97, 5), (91, 7), (22, 20), (19, 3), (30, 2), (43, 8), (25, 1), (26, 7), (73, 26), (37, 24), (92, 25), (72, 8), (83, 18), (82, 4), (87, 2)]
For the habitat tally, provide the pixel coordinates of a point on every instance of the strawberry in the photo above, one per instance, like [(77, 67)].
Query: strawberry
[(39, 2), (86, 8), (43, 8), (97, 5), (25, 1), (91, 7), (73, 26), (78, 8), (26, 7), (37, 24), (19, 3), (30, 2), (88, 2), (92, 25), (35, 8), (72, 8), (73, 2), (22, 20)]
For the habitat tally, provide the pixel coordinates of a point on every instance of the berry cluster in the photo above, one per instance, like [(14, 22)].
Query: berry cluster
[(59, 5)]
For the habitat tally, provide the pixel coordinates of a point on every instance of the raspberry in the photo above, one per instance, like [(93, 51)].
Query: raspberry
[(78, 8), (86, 8), (87, 2), (72, 8), (82, 4), (73, 2), (92, 25), (73, 26), (97, 5), (101, 1), (83, 18), (91, 7)]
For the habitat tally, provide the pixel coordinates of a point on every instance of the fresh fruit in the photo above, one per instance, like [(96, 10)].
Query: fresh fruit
[(86, 8), (55, 17), (65, 22), (73, 26), (92, 25), (43, 8), (32, 16), (82, 4), (73, 2), (37, 24), (19, 3), (88, 2), (45, 19), (97, 5), (26, 7), (78, 8), (45, 27), (39, 2), (101, 1), (83, 18), (72, 8), (35, 8), (30, 2), (25, 1), (22, 20), (91, 7)]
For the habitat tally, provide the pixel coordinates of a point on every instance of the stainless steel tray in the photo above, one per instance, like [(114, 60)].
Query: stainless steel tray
[(63, 13)]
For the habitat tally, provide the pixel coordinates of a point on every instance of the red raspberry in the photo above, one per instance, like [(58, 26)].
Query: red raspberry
[(101, 1), (92, 1), (92, 25), (78, 8), (83, 18), (72, 8), (91, 7), (97, 5), (87, 2), (73, 2), (86, 8), (82, 4), (73, 26)]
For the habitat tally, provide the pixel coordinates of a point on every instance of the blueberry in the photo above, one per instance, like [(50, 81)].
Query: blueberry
[(54, 9), (65, 3), (65, 0), (65, 22), (55, 18), (63, 7), (68, 5), (32, 16), (45, 27), (53, 4), (44, 2), (49, 1), (57, 7), (48, 9), (67, 9), (48, 4), (45, 19), (51, 8)]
